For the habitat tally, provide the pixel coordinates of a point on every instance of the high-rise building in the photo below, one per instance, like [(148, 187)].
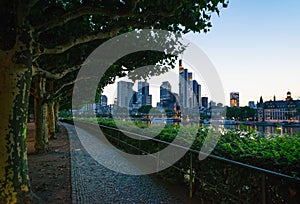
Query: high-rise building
[(189, 89), (167, 98), (165, 91), (103, 100), (234, 99), (190, 94), (196, 94), (143, 96), (183, 86), (204, 101), (124, 93)]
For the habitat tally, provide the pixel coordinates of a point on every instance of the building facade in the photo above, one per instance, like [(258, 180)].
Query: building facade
[(143, 96), (103, 100), (287, 110), (234, 99), (183, 86), (189, 89), (124, 93), (204, 101)]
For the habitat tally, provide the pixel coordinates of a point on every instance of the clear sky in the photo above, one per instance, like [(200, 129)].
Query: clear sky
[(255, 47)]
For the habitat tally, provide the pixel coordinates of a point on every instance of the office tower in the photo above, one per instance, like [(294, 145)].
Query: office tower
[(124, 93), (165, 91), (196, 94), (199, 97), (167, 98), (204, 101), (189, 89), (183, 86), (103, 100), (143, 96), (234, 99)]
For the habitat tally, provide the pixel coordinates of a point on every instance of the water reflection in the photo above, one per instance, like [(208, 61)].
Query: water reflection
[(266, 129)]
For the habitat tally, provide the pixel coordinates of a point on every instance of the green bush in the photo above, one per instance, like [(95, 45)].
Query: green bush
[(215, 179)]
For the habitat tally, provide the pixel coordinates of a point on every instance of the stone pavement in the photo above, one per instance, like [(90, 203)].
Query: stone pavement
[(93, 183)]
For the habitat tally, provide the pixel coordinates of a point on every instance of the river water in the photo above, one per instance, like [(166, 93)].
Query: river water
[(267, 129)]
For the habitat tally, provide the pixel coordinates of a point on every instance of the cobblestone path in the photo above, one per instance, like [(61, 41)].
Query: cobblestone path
[(93, 183)]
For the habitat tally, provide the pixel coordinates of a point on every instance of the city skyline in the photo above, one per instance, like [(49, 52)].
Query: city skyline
[(140, 93), (255, 55), (154, 83)]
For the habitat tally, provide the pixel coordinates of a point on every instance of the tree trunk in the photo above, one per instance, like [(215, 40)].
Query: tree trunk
[(15, 80), (56, 109), (41, 139), (50, 120)]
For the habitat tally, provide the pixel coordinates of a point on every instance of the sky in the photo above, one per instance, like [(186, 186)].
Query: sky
[(255, 47)]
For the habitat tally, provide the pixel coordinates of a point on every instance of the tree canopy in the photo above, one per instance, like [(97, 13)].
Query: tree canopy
[(51, 39)]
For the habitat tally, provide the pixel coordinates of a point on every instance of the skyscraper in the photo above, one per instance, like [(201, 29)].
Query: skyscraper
[(183, 86), (196, 94), (204, 101), (103, 100), (234, 99), (143, 96), (124, 93), (165, 91), (189, 89)]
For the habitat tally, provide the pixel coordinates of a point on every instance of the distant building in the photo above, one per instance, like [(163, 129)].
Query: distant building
[(212, 104), (251, 104), (204, 101), (168, 100), (143, 96), (234, 99), (124, 93), (189, 89), (278, 110), (165, 92), (196, 94), (183, 86), (103, 100), (220, 104)]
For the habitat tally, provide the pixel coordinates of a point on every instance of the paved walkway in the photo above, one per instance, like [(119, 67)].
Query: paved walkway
[(93, 183)]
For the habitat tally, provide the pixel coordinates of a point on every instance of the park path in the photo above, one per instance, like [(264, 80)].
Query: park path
[(93, 183)]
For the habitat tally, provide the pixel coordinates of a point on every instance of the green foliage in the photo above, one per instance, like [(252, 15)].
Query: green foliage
[(240, 113), (145, 109), (214, 180)]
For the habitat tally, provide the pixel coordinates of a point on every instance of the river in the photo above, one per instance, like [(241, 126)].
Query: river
[(267, 129)]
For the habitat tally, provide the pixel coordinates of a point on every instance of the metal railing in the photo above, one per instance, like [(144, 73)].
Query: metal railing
[(197, 181)]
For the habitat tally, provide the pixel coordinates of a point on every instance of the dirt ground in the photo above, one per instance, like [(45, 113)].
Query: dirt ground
[(50, 172)]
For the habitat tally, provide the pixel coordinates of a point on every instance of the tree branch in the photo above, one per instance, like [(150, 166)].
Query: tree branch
[(73, 42), (32, 3), (63, 86), (83, 11), (50, 75)]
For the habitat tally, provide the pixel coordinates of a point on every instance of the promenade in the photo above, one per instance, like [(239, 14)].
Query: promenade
[(93, 183)]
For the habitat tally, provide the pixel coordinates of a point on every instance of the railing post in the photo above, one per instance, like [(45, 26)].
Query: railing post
[(263, 189), (140, 152), (118, 139), (191, 176), (157, 163)]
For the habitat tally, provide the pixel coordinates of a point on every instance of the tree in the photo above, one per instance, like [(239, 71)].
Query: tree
[(32, 29), (144, 110)]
